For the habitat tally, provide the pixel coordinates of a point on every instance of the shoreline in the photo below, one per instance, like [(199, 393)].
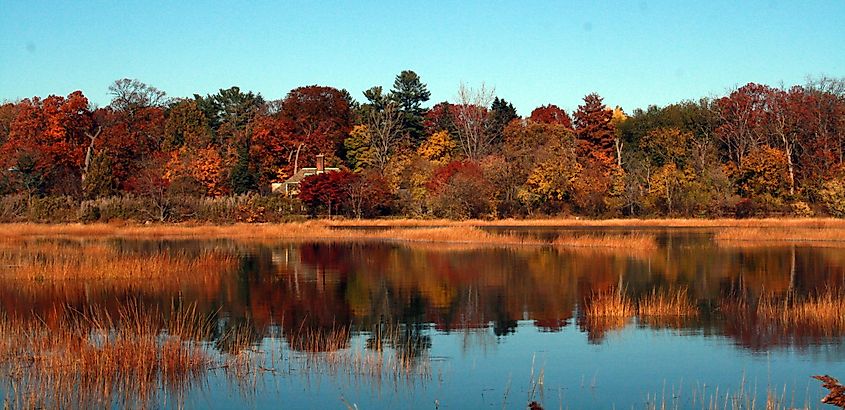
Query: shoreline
[(469, 232)]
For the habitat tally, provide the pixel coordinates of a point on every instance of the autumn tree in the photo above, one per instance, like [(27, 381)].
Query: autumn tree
[(52, 135), (328, 191), (367, 194), (458, 190), (200, 167), (317, 117), (442, 117), (551, 114), (594, 126), (358, 150), (742, 118), (764, 175)]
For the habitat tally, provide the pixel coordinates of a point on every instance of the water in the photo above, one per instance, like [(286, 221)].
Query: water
[(483, 327)]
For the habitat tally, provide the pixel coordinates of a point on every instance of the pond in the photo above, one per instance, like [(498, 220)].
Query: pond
[(690, 324)]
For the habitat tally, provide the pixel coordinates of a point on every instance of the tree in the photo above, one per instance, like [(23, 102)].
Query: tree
[(501, 114), (438, 148), (186, 125), (358, 150), (666, 145), (317, 117), (470, 120), (329, 191), (8, 112), (458, 190), (442, 117), (99, 179), (149, 183), (203, 166), (409, 93), (551, 114), (368, 194), (535, 150), (742, 116), (594, 126), (132, 95), (385, 135), (619, 118), (228, 113), (243, 176), (552, 179), (128, 138), (53, 134), (764, 172)]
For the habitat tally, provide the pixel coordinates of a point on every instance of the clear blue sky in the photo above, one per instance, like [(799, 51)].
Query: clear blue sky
[(634, 53)]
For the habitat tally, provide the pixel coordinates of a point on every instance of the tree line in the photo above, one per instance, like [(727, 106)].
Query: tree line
[(758, 150)]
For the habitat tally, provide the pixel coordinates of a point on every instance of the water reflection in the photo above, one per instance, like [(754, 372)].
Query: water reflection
[(326, 286)]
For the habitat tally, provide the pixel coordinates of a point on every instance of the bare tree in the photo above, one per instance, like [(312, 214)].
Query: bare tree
[(386, 133), (131, 95), (471, 121)]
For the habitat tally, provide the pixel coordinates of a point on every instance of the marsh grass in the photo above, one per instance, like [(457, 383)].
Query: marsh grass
[(744, 398), (94, 359), (455, 233), (642, 242), (823, 312), (40, 261), (667, 307), (607, 311), (824, 235)]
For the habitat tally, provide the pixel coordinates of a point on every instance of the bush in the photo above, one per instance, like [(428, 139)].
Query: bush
[(832, 196), (745, 208)]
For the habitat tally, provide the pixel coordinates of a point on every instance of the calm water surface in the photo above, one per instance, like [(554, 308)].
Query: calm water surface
[(485, 328)]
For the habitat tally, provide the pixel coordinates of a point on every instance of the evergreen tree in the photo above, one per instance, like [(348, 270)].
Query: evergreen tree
[(501, 113), (593, 125), (244, 179), (410, 93)]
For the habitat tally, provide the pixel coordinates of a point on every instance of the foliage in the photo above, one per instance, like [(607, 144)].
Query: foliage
[(99, 180), (358, 150), (551, 114), (764, 172), (409, 93), (832, 195), (594, 127), (186, 125), (779, 148), (458, 190), (328, 192), (438, 148)]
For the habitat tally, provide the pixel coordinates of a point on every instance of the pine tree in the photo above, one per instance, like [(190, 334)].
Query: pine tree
[(593, 126), (410, 93), (501, 113)]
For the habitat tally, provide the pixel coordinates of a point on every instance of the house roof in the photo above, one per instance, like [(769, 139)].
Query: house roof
[(306, 172)]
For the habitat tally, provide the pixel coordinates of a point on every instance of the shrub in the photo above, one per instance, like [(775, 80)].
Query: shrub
[(832, 196)]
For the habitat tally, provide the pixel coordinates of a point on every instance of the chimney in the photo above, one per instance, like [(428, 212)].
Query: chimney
[(321, 163)]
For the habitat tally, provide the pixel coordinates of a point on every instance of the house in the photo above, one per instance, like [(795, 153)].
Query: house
[(291, 185)]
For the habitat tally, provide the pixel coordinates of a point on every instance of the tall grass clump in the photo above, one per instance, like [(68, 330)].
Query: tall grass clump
[(40, 260), (823, 311), (92, 358), (605, 311), (632, 241), (673, 303)]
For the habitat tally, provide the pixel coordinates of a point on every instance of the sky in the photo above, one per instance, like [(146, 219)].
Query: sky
[(633, 53)]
